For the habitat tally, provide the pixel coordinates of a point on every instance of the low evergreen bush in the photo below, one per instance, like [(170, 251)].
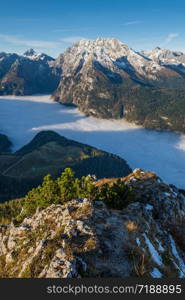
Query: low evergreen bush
[(116, 195)]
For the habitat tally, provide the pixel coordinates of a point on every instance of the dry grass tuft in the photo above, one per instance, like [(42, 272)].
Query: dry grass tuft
[(131, 226)]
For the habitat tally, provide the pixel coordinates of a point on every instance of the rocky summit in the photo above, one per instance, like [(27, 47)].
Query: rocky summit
[(84, 238), (107, 79)]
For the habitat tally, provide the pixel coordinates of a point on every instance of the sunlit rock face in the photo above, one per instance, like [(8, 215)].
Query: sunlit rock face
[(107, 79)]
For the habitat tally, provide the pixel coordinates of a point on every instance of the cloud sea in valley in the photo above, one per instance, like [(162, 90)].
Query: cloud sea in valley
[(162, 152)]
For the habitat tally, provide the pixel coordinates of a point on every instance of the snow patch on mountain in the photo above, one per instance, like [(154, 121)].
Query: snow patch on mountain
[(165, 56), (110, 52), (33, 55)]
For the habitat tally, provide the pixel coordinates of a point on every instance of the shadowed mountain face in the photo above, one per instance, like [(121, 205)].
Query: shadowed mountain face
[(107, 79), (50, 153), (28, 74), (5, 144)]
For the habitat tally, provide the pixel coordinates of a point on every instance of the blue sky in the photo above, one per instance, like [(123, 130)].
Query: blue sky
[(52, 26)]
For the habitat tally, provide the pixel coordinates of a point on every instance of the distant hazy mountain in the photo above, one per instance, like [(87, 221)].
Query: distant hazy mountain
[(107, 79), (171, 59), (30, 73), (165, 56)]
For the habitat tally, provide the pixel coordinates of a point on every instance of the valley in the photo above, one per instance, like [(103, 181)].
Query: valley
[(22, 117)]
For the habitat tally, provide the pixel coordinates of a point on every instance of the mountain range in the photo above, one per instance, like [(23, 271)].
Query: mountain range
[(105, 78)]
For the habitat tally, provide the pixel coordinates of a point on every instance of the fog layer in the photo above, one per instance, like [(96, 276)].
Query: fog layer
[(162, 152)]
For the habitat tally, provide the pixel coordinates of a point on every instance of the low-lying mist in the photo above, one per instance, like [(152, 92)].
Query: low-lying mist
[(162, 152)]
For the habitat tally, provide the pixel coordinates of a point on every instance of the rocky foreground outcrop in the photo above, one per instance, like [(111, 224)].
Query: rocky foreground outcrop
[(86, 239)]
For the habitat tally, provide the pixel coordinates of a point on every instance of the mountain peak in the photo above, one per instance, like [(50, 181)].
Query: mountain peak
[(104, 50), (30, 52), (33, 55), (100, 42)]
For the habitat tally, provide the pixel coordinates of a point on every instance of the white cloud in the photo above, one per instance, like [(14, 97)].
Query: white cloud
[(132, 23), (71, 39), (29, 43), (170, 37)]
